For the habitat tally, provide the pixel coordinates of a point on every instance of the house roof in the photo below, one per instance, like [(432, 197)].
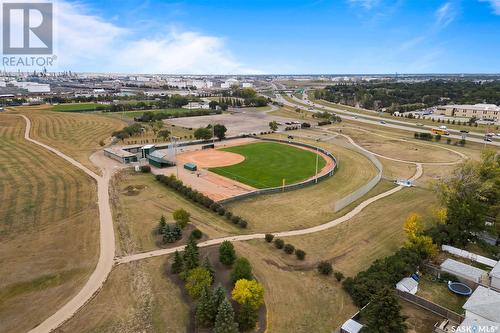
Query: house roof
[(352, 326), (484, 302), (469, 324), (408, 283), (459, 268), (495, 272)]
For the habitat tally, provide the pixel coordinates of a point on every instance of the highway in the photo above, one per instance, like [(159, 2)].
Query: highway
[(374, 120)]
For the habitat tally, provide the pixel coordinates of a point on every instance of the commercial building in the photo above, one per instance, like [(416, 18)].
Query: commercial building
[(480, 111)]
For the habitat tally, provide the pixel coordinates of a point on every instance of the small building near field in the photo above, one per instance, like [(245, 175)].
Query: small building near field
[(351, 326), (463, 271), (159, 159), (408, 285), (120, 155), (190, 167), (495, 276)]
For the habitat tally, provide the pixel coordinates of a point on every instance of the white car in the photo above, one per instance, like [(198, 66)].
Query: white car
[(443, 127)]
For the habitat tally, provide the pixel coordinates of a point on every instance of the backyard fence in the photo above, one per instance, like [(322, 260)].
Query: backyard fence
[(430, 306)]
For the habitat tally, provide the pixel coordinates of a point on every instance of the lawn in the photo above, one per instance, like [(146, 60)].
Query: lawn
[(174, 112), (139, 201), (137, 297), (78, 107), (48, 229), (267, 164), (75, 134)]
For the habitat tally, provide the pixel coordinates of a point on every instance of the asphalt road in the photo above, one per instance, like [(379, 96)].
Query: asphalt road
[(374, 120)]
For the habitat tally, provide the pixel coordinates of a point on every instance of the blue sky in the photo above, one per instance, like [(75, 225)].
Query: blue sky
[(231, 37)]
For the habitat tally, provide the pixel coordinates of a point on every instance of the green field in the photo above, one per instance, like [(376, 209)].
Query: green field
[(176, 112), (78, 107), (267, 164)]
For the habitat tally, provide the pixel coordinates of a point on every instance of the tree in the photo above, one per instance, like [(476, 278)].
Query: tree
[(177, 264), (213, 105), (247, 317), (205, 309), (273, 126), (197, 280), (227, 255), (325, 268), (220, 131), (208, 266), (224, 322), (339, 276), (157, 126), (383, 314), (269, 238), (218, 296), (203, 134), (191, 255), (289, 248), (242, 270), (248, 292), (300, 254), (182, 217), (416, 241), (163, 223), (164, 134), (279, 243)]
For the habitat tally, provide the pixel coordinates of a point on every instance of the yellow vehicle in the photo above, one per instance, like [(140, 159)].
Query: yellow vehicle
[(440, 131)]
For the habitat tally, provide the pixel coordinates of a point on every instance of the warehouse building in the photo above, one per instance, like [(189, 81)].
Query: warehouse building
[(489, 112)]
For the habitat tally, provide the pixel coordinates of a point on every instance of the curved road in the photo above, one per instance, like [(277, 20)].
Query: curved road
[(107, 243), (107, 238)]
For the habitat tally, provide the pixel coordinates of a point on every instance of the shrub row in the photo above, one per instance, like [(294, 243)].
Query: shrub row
[(288, 248), (200, 198)]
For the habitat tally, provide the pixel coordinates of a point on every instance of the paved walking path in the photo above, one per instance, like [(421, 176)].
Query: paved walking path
[(107, 243), (107, 239)]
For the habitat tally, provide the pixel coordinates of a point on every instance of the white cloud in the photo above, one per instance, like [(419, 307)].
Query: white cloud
[(366, 4), (445, 14), (495, 4), (87, 42)]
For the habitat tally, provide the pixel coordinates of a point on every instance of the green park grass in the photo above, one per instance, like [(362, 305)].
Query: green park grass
[(77, 107), (266, 164)]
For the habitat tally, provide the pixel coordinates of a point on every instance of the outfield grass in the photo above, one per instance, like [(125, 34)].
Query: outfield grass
[(48, 229), (312, 205), (267, 164), (77, 107)]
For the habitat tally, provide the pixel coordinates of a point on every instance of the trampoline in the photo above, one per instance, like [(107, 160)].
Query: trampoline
[(460, 288)]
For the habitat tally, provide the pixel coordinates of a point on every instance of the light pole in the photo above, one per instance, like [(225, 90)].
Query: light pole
[(317, 161)]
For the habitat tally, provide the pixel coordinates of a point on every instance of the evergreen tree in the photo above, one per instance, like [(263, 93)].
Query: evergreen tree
[(191, 255), (208, 266), (242, 270), (224, 323), (247, 317), (383, 314), (205, 310), (177, 264), (227, 255), (163, 223), (218, 296)]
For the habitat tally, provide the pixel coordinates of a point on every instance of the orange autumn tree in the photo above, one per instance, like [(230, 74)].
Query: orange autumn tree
[(416, 240)]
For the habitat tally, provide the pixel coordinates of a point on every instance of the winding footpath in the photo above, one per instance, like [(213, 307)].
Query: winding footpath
[(107, 243), (107, 257)]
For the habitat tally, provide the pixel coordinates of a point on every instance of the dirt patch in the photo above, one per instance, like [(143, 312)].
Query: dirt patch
[(210, 158), (133, 190)]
